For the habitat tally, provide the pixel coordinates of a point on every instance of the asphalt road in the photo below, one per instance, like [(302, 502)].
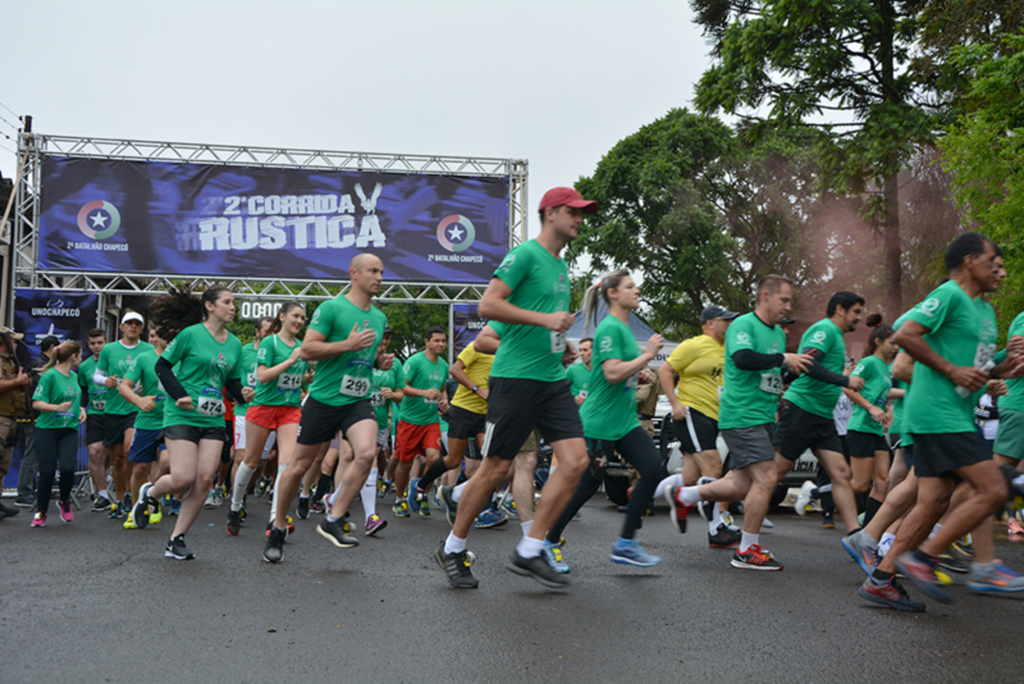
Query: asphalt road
[(91, 602)]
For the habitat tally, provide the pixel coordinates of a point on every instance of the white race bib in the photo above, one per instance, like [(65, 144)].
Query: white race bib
[(289, 381), (557, 342), (99, 405), (210, 406), (771, 383), (251, 380), (352, 386), (377, 399)]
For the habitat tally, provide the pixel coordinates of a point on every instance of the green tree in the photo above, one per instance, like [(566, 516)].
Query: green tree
[(409, 322)]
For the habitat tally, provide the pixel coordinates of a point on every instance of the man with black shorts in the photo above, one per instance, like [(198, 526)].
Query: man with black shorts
[(343, 338), (530, 294), (807, 413), (755, 349), (94, 433)]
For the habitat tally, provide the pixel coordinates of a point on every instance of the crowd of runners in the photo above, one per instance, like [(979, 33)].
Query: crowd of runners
[(195, 418)]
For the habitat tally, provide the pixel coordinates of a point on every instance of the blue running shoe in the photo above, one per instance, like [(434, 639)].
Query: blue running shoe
[(411, 496), (490, 518), (553, 555), (629, 552), (400, 509)]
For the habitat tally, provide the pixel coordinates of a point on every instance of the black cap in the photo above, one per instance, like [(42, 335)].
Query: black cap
[(716, 311), (388, 330), (48, 342), (787, 321)]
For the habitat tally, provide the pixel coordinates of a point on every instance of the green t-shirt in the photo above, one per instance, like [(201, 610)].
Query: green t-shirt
[(147, 384), (97, 393), (539, 282), (286, 388), (345, 379), (117, 359), (897, 405), (815, 396), (423, 375), (610, 410), (203, 366), (249, 378), (1015, 386), (56, 388), (751, 398), (963, 331), (877, 383), (395, 379), (579, 376)]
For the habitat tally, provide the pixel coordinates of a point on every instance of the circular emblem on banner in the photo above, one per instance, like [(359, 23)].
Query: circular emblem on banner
[(456, 233), (99, 220)]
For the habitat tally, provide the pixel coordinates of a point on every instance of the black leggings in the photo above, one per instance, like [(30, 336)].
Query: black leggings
[(638, 448), (55, 446)]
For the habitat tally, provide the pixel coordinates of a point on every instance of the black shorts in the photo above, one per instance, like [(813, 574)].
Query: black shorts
[(321, 422), (194, 434), (865, 444), (696, 432), (939, 455), (94, 431), (463, 424), (800, 430), (516, 406), (894, 440), (115, 425), (908, 456)]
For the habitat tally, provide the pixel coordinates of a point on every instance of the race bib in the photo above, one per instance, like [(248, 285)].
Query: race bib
[(430, 401), (99, 405), (377, 399), (210, 406), (251, 380), (352, 386), (583, 393), (771, 383), (557, 342), (289, 381)]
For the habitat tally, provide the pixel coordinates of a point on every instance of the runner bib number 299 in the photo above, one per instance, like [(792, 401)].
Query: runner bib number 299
[(352, 386)]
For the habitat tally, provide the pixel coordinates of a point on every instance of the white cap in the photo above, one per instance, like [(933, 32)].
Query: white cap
[(133, 316)]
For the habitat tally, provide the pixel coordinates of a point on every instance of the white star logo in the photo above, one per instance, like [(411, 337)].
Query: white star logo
[(98, 219), (455, 233)]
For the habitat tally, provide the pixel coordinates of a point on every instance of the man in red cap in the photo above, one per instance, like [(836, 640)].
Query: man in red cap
[(528, 300)]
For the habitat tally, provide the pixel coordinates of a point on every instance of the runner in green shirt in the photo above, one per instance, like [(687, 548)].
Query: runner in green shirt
[(94, 432), (579, 373)]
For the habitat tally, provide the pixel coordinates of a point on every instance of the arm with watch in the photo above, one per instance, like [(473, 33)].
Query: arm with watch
[(458, 372)]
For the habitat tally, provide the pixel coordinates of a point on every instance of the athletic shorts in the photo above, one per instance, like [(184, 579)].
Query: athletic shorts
[(146, 445), (516, 406), (939, 455), (191, 433), (1010, 438), (908, 456), (865, 444), (749, 445), (532, 442), (321, 422), (463, 424), (273, 417), (800, 430), (94, 430), (239, 433), (414, 440), (115, 425), (382, 438), (894, 440), (696, 432)]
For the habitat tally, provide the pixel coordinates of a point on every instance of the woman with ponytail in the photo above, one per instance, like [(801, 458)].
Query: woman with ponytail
[(58, 398), (609, 413)]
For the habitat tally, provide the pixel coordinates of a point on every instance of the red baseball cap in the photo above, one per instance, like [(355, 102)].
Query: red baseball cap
[(557, 197)]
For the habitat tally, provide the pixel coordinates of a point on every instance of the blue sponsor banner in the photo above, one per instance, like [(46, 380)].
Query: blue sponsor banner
[(116, 216), (466, 325), (65, 314)]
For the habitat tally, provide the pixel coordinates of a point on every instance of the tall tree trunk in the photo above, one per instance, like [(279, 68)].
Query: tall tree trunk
[(891, 235)]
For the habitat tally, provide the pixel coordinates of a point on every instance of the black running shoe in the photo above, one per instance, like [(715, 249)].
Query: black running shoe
[(337, 533), (140, 512), (274, 550), (456, 568), (303, 507), (724, 538), (177, 550), (537, 568), (234, 523), (451, 509), (101, 503)]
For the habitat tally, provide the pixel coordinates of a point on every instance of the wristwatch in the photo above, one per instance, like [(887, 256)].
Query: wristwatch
[(475, 389)]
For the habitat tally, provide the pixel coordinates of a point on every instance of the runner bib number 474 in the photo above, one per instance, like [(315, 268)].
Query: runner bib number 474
[(210, 406)]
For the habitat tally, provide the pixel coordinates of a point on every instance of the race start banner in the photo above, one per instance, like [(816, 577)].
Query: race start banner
[(466, 325), (64, 314), (116, 216)]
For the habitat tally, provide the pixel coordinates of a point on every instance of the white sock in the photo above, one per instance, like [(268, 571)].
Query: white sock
[(527, 526), (105, 494), (935, 530), (886, 543), (334, 495), (242, 478), (528, 547), (716, 521), (689, 495), (453, 544), (457, 492), (369, 494), (273, 500), (670, 481), (747, 541)]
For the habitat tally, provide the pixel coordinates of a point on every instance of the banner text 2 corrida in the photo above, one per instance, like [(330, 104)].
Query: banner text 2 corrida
[(199, 219)]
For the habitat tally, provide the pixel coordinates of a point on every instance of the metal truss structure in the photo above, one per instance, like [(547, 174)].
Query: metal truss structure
[(112, 286)]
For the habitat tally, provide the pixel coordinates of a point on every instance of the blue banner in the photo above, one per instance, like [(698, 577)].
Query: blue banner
[(65, 314), (115, 216), (466, 325)]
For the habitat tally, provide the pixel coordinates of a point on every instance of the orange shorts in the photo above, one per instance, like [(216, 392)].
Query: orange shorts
[(414, 440), (273, 417)]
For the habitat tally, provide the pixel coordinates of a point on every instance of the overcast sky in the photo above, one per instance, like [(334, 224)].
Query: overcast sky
[(555, 82)]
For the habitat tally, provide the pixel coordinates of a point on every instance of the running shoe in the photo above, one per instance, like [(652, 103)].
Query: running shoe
[(804, 498), (706, 508), (213, 499), (451, 509), (290, 525), (129, 522), (724, 538), (156, 516), (629, 552), (140, 511), (400, 509), (890, 594), (423, 508), (755, 558), (828, 521), (948, 564), (66, 514), (508, 507), (101, 503), (681, 510), (922, 574), (994, 578), (413, 496), (234, 524), (552, 553), (116, 511), (767, 524), (317, 506), (456, 568), (375, 524), (964, 547), (862, 551), (537, 568), (382, 489), (273, 552), (303, 507), (490, 518), (337, 533), (175, 507), (728, 521), (437, 498), (38, 520), (261, 488), (177, 550)]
